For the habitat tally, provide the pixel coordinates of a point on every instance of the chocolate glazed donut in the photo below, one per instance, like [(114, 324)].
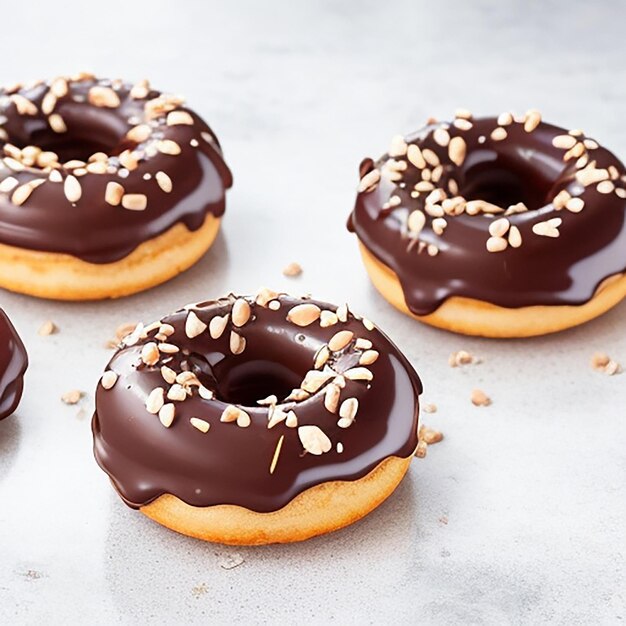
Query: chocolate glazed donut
[(116, 186), (13, 364), (240, 420), (503, 226)]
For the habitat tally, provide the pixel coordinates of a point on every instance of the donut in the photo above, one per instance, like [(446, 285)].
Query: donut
[(254, 420), (106, 188), (13, 364), (498, 227)]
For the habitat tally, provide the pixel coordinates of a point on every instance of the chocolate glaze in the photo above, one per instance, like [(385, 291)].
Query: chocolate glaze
[(524, 167), (91, 229), (230, 464), (13, 364)]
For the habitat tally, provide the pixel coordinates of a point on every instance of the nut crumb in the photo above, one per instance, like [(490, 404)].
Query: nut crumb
[(429, 407), (480, 398), (48, 328), (292, 270), (120, 332), (601, 362), (421, 450), (462, 357), (443, 520), (429, 435), (72, 397), (199, 590)]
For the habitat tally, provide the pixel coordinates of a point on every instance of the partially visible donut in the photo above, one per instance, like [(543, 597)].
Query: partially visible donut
[(106, 188), (501, 227), (257, 420), (13, 364)]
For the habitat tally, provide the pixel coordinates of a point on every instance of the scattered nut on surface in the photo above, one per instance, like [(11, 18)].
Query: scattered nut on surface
[(120, 332), (293, 269), (72, 397), (429, 435), (480, 398), (601, 362), (421, 450), (48, 328), (429, 407), (462, 357)]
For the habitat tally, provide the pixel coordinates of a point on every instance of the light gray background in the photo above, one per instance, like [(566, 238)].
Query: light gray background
[(532, 487)]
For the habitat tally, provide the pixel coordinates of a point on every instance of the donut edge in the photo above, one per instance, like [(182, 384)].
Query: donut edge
[(12, 394), (469, 316), (318, 510), (60, 276)]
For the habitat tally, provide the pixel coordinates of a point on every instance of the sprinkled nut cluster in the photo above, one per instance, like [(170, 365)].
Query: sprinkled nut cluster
[(430, 435), (427, 437), (601, 362), (23, 170), (339, 367), (437, 190)]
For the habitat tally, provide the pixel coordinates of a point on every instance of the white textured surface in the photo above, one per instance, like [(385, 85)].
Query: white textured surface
[(532, 487)]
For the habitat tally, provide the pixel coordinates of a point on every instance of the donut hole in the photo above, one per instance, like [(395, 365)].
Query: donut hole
[(88, 132), (69, 148), (247, 382), (504, 181), (246, 378)]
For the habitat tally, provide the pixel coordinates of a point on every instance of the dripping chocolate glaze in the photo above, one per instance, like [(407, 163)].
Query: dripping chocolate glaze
[(13, 364), (524, 167), (91, 229), (230, 464)]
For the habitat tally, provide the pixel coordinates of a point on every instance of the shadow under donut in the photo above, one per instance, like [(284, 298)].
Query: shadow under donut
[(10, 434), (290, 581)]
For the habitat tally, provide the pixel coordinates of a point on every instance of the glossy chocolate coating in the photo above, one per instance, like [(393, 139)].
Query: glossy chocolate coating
[(524, 167), (13, 364), (91, 229), (230, 464)]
